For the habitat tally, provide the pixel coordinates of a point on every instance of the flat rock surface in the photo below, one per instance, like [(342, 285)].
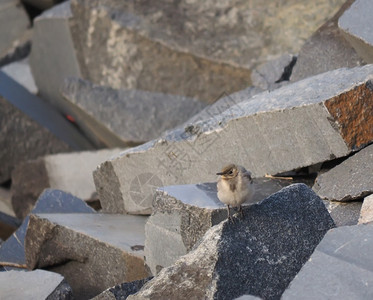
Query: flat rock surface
[(118, 241), (258, 255), (298, 125), (340, 268), (33, 285), (366, 213), (125, 117), (355, 24), (344, 213), (352, 179)]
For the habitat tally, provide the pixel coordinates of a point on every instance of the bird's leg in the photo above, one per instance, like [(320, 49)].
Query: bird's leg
[(240, 210), (229, 214)]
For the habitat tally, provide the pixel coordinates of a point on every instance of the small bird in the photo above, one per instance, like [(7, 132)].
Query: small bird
[(235, 186)]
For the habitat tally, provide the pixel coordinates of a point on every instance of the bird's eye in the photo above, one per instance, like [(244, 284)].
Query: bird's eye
[(230, 172)]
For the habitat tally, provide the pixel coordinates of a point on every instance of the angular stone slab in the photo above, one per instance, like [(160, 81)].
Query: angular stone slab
[(366, 213), (69, 172), (125, 117), (50, 201), (53, 55), (257, 255), (117, 240), (38, 284), (298, 125), (183, 213), (355, 24), (340, 268), (352, 179), (326, 50), (31, 128), (122, 291), (344, 213)]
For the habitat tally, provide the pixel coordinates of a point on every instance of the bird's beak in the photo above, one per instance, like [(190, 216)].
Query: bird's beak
[(220, 173)]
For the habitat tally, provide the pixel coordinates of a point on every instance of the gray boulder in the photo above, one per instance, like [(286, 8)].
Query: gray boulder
[(257, 255), (298, 125), (344, 213), (366, 213)]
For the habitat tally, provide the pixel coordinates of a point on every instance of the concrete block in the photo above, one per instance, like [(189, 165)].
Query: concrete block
[(326, 50), (366, 213), (340, 268), (298, 125), (117, 241), (355, 23), (53, 55), (69, 172), (31, 128), (34, 285), (257, 255), (350, 180), (120, 117), (50, 201), (183, 213)]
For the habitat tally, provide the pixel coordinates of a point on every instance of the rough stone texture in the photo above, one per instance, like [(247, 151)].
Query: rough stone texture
[(20, 71), (326, 50), (117, 240), (340, 268), (8, 225), (69, 172), (33, 285), (42, 4), (273, 74), (183, 213), (122, 291), (366, 213), (13, 24), (31, 128), (342, 213), (215, 46), (350, 180), (51, 201), (125, 117), (53, 56), (355, 23), (257, 255), (298, 125)]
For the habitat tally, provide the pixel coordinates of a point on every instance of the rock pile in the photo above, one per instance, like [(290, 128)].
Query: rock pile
[(110, 147)]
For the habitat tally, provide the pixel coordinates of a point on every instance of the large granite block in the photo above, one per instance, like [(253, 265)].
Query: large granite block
[(53, 55), (355, 24), (183, 213), (31, 128), (298, 125), (350, 180), (121, 117), (186, 48), (98, 252), (69, 172), (340, 268), (257, 255), (38, 284), (50, 201), (326, 50)]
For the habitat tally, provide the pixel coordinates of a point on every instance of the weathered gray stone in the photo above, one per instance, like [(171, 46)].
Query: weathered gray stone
[(342, 213), (34, 285), (51, 201), (355, 23), (31, 128), (257, 255), (273, 74), (122, 291), (183, 213), (298, 125), (20, 71), (13, 24), (69, 172), (53, 56), (340, 268), (99, 250), (366, 213), (350, 180), (326, 50), (125, 117), (215, 46), (248, 297)]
